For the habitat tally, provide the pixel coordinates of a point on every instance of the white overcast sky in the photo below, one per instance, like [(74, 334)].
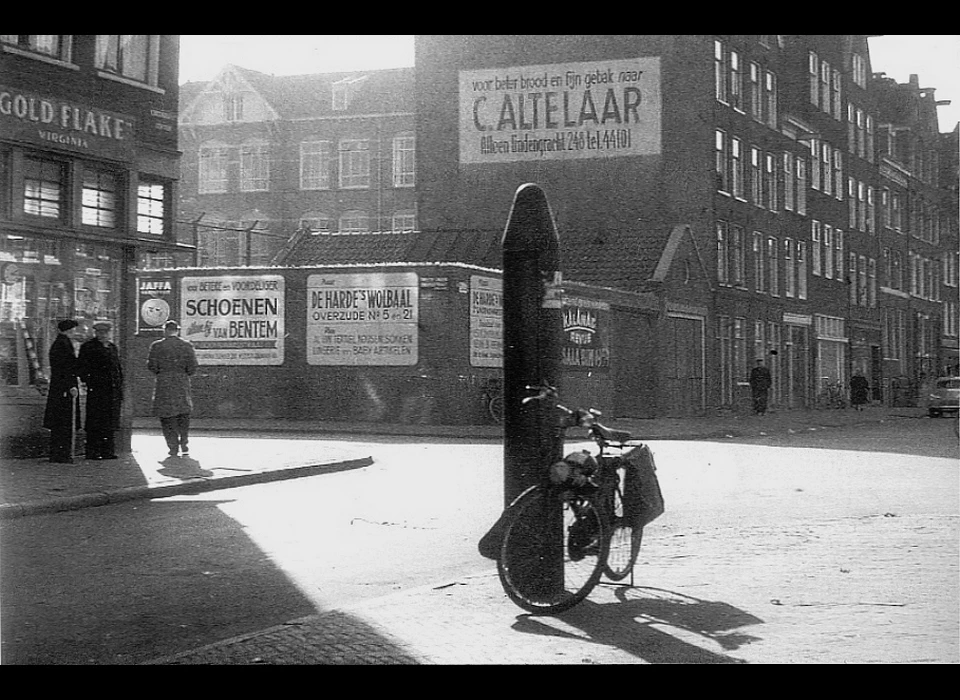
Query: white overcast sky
[(935, 58)]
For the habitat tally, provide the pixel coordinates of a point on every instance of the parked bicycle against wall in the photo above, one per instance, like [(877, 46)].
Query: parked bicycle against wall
[(585, 520), (832, 394)]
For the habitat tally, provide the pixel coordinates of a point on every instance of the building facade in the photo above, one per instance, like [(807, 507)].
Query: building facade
[(265, 157), (88, 180), (810, 186)]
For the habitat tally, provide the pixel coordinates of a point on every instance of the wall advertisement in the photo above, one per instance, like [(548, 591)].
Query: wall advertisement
[(586, 341), (234, 320), (486, 321), (592, 109), (363, 319), (153, 301)]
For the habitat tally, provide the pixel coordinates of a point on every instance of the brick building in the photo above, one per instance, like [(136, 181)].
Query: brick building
[(88, 176), (265, 156), (818, 195)]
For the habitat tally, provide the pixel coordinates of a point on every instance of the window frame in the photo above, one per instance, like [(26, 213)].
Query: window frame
[(352, 152), (118, 69), (151, 216)]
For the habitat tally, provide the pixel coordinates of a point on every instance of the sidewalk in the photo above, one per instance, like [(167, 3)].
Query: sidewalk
[(29, 486)]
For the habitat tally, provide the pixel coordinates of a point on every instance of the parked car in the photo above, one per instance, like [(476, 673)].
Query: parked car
[(945, 397)]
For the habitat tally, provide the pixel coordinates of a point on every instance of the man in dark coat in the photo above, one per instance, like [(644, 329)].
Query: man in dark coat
[(62, 414), (173, 360), (100, 370), (760, 382), (859, 388)]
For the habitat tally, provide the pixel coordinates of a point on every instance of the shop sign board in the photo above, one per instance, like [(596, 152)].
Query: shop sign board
[(586, 341), (486, 321), (561, 111), (234, 320), (363, 319)]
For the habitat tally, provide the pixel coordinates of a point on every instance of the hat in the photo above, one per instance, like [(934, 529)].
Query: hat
[(103, 325), (66, 325), (172, 324)]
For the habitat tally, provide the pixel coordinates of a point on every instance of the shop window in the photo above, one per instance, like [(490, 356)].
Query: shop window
[(43, 187), (98, 204)]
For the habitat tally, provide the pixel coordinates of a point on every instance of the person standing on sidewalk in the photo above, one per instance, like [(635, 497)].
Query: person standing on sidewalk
[(100, 370), (62, 414), (760, 381), (858, 390), (173, 360)]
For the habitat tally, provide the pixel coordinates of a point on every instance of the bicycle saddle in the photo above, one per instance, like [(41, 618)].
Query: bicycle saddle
[(611, 435)]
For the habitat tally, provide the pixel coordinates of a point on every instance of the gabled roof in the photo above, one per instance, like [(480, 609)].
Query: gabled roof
[(301, 96), (613, 257)]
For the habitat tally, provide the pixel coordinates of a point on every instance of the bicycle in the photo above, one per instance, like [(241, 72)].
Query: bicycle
[(561, 536), (492, 398)]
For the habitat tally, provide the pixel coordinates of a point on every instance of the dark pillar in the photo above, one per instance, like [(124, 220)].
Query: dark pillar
[(532, 331)]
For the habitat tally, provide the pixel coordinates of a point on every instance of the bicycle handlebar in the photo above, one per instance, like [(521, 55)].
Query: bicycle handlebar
[(581, 416)]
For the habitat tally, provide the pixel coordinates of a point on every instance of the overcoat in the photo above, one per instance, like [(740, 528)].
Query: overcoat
[(173, 360), (859, 389), (100, 370), (64, 367)]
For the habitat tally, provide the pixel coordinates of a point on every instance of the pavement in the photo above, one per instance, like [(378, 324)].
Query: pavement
[(449, 622)]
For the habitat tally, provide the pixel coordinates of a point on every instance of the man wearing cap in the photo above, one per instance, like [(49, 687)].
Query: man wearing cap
[(173, 360), (62, 414), (100, 370)]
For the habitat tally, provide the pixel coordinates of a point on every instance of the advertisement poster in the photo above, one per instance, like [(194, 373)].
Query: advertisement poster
[(486, 321), (153, 301), (363, 319), (234, 320), (593, 109), (586, 341)]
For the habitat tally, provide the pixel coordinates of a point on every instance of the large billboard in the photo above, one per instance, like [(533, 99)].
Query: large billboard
[(363, 319), (591, 109), (234, 320)]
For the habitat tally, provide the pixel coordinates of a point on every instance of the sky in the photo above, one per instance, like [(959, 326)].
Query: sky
[(935, 58)]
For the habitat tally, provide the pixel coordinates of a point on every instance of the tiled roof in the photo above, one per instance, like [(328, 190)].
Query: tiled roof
[(346, 249), (297, 96), (613, 257)]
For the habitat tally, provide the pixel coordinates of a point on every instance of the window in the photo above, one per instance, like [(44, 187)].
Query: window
[(132, 56), (404, 161), (98, 204), (723, 184), (404, 221), (315, 164), (770, 99), (756, 93), (859, 70), (343, 92), (315, 222), (233, 107), (354, 222), (43, 182), (825, 86), (871, 218), (720, 71), (254, 167), (837, 106), (789, 182), (737, 256), (801, 163), (773, 266), (789, 272), (213, 168), (722, 243), (896, 269), (838, 253), (872, 283), (825, 161), (837, 173), (815, 169), (815, 241), (828, 251), (151, 208), (736, 81), (813, 71), (770, 182), (801, 269), (55, 46), (756, 177), (354, 163), (736, 167), (861, 280), (758, 265)]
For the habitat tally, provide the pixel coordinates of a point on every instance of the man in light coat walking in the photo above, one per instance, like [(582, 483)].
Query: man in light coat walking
[(173, 360)]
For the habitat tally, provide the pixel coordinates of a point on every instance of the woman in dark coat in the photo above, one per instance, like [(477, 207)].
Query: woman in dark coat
[(858, 390), (62, 414), (100, 370)]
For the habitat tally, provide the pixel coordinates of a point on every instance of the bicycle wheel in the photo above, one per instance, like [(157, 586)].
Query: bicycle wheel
[(495, 407), (544, 570), (624, 537)]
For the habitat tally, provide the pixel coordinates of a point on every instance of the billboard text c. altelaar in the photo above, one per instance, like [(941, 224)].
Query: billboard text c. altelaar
[(593, 109)]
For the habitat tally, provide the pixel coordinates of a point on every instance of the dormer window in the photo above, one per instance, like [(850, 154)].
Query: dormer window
[(233, 107), (344, 91)]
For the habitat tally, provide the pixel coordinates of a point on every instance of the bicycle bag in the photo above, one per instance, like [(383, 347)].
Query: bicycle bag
[(642, 497)]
